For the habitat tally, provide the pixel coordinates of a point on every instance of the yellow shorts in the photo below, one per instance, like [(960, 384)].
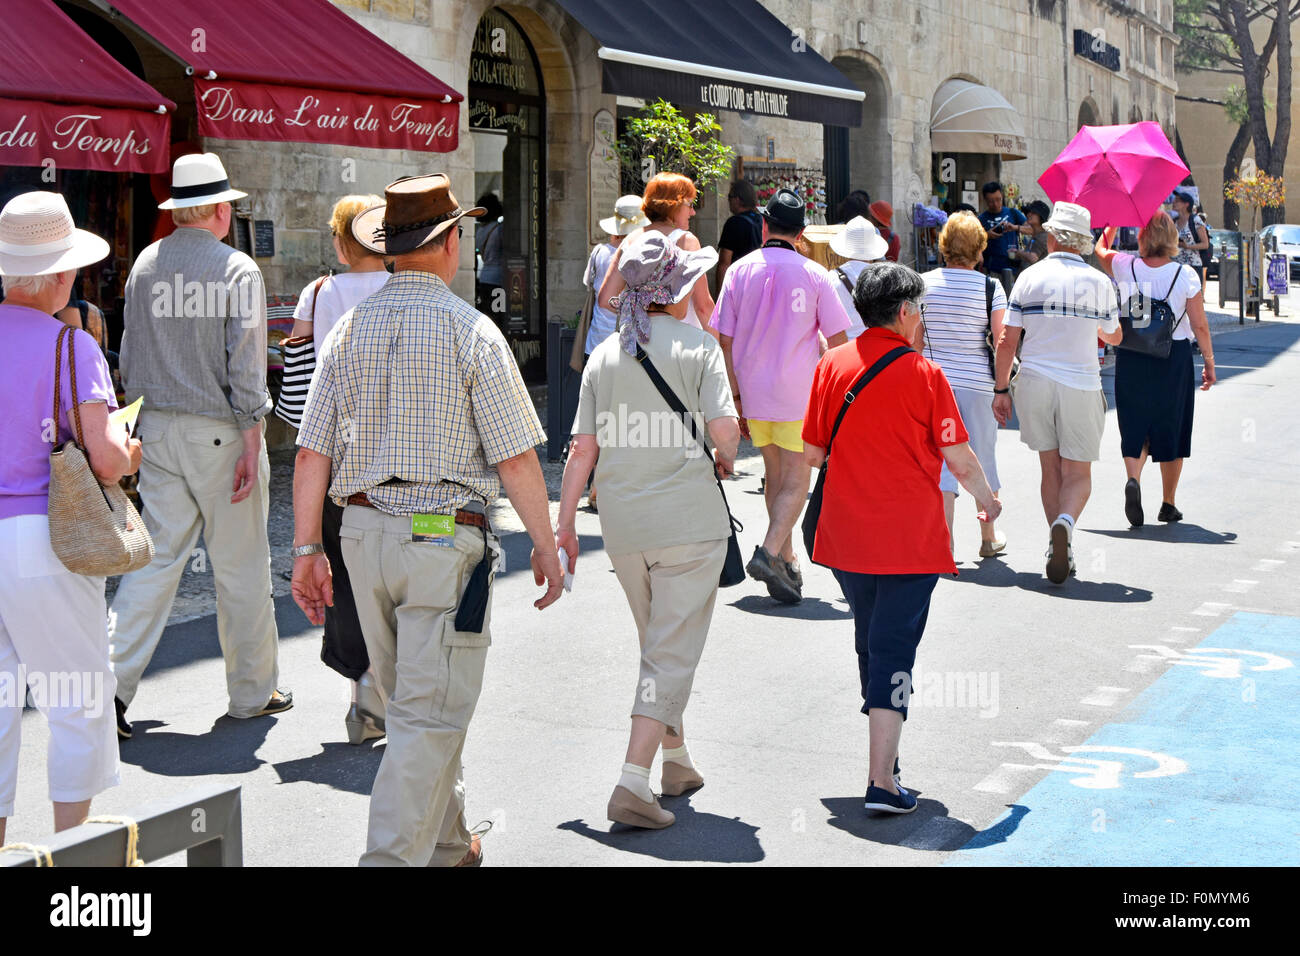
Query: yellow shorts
[(787, 435)]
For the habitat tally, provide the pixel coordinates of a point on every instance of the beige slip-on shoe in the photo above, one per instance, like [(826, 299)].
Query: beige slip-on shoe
[(626, 807), (677, 779)]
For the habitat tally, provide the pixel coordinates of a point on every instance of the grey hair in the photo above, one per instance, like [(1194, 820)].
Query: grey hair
[(881, 291), (32, 285), (1075, 242)]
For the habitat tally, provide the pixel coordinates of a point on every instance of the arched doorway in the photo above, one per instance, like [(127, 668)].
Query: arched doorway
[(507, 119), (862, 157), (1088, 114)]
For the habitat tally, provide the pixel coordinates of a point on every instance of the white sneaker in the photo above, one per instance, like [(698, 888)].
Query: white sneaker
[(1060, 553)]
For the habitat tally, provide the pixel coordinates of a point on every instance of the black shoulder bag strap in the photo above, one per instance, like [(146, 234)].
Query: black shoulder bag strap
[(733, 570), (676, 405), (845, 279), (813, 512), (880, 365)]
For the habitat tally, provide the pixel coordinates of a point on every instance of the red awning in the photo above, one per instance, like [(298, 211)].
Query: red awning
[(63, 99), (299, 71)]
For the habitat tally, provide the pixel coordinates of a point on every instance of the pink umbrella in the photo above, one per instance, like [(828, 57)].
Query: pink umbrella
[(1120, 173)]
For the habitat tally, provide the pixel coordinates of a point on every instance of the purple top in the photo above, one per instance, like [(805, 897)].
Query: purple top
[(27, 396)]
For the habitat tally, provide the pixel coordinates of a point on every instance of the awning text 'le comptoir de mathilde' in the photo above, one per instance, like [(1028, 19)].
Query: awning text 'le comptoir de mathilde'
[(728, 97)]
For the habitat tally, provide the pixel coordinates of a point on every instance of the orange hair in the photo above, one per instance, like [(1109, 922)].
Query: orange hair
[(962, 240), (664, 193)]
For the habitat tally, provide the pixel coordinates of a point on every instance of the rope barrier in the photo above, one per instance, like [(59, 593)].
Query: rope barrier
[(41, 854), (132, 836)]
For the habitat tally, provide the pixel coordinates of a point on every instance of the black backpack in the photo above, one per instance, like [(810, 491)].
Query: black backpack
[(1149, 323)]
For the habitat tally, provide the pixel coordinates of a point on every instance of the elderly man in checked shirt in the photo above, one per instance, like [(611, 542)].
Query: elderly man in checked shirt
[(416, 419)]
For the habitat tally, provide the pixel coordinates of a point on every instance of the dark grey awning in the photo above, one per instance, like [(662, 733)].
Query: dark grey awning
[(728, 55)]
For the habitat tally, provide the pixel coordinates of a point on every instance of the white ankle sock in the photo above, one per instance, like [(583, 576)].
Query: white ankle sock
[(637, 780), (1069, 523), (680, 756)]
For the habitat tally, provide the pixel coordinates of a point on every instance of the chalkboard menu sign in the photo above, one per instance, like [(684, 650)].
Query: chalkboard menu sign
[(263, 239)]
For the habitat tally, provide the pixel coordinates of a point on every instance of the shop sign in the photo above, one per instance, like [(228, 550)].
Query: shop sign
[(234, 110), (603, 173), (1279, 274), (36, 133), (1093, 47), (487, 115), (745, 99), (500, 59)]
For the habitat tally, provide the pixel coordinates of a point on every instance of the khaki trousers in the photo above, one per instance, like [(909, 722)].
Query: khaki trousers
[(407, 593), (185, 481), (671, 592)]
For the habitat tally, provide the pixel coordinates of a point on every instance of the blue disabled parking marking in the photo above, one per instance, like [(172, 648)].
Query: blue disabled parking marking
[(1225, 714)]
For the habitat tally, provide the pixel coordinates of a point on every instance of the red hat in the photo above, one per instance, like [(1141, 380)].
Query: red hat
[(883, 212)]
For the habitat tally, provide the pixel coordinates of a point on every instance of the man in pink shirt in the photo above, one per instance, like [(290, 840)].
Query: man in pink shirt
[(770, 309)]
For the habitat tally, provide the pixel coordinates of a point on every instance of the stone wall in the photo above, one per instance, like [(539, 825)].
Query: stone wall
[(1021, 48)]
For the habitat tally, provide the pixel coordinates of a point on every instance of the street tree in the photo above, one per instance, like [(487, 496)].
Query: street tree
[(1220, 36)]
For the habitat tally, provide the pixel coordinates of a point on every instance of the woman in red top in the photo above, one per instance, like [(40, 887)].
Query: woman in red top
[(882, 529)]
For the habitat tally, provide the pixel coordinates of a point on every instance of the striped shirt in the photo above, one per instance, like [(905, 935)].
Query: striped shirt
[(957, 325), (1062, 303), (416, 398)]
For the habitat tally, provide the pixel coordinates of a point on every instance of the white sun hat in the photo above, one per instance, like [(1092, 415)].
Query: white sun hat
[(199, 179), (37, 237), (861, 240), (627, 218), (1070, 221)]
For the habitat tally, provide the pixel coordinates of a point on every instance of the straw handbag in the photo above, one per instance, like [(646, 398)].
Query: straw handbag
[(94, 529)]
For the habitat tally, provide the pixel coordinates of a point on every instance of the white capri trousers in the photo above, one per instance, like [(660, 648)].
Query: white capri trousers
[(976, 409), (54, 640)]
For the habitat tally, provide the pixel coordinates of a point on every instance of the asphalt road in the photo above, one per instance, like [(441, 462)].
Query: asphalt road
[(1054, 724)]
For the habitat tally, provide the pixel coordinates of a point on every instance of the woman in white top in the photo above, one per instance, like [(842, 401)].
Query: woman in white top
[(669, 203), (1155, 397), (323, 301), (860, 242), (626, 220), (958, 319), (320, 306)]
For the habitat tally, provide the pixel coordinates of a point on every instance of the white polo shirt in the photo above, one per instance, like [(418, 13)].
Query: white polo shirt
[(1062, 303)]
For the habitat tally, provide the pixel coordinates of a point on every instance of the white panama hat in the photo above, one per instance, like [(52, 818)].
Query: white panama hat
[(1070, 221), (859, 239), (37, 237), (199, 179), (627, 218)]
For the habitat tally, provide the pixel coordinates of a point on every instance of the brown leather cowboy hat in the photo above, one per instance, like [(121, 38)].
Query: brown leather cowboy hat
[(416, 210)]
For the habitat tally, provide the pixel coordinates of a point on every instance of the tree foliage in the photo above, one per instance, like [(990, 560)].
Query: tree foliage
[(1220, 36), (664, 140)]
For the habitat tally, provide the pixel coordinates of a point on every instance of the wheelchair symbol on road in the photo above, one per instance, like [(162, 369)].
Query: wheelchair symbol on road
[(1222, 662), (1095, 774)]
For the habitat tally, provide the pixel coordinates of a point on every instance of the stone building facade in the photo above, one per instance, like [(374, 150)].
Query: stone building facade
[(898, 52)]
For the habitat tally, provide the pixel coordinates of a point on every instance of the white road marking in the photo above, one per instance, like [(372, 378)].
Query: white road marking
[(1289, 547), (1268, 564), (1105, 696), (1212, 609), (1240, 586), (1000, 780)]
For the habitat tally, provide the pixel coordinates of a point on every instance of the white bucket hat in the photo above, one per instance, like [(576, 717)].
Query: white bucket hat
[(627, 218), (1070, 223), (199, 179), (859, 239), (37, 237)]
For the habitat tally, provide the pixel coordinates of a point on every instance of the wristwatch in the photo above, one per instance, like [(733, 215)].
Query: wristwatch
[(1002, 391), (307, 550)]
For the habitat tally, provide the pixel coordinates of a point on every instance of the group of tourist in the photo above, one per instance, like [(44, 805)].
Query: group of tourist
[(394, 552)]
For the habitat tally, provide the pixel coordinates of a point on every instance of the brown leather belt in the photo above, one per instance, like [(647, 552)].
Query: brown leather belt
[(474, 519)]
